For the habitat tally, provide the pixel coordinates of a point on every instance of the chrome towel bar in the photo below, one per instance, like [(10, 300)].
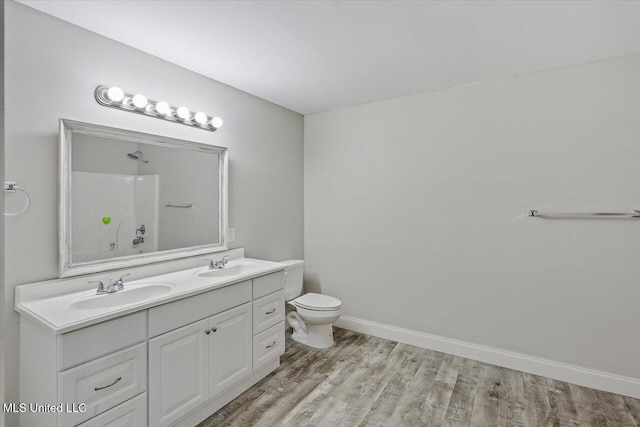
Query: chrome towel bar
[(631, 214), (179, 205)]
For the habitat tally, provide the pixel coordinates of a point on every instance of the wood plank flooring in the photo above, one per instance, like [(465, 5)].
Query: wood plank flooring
[(369, 381)]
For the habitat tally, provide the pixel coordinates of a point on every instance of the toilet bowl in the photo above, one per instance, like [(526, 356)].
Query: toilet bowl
[(312, 323), (314, 314)]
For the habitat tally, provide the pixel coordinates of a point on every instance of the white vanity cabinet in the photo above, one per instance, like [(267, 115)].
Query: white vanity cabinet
[(229, 348), (194, 363), (101, 366), (178, 373), (268, 318), (171, 364)]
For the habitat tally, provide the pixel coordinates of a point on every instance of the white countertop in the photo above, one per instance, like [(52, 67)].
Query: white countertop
[(53, 311)]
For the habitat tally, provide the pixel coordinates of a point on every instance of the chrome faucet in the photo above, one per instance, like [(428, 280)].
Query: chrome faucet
[(115, 286), (214, 265)]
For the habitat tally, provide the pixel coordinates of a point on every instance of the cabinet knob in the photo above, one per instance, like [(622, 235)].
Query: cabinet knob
[(208, 331), (214, 329)]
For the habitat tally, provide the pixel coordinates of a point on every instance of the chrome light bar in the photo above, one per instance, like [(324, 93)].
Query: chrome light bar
[(114, 97)]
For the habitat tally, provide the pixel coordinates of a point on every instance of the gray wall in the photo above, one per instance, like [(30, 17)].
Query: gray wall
[(415, 213), (52, 69)]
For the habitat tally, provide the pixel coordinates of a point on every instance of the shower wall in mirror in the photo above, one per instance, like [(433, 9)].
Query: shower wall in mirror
[(129, 198)]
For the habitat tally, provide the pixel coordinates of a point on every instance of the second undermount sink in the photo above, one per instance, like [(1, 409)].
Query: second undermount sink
[(234, 268), (129, 295), (226, 271)]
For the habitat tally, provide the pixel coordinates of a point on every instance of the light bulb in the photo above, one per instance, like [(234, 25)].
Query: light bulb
[(216, 122), (163, 108), (115, 94), (200, 118), (183, 113), (139, 101)]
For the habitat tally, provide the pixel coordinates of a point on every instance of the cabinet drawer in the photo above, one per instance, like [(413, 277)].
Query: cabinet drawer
[(176, 314), (268, 344), (103, 383), (268, 284), (132, 413), (268, 311), (95, 341)]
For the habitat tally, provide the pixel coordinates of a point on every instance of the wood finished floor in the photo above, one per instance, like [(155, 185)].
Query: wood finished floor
[(368, 381)]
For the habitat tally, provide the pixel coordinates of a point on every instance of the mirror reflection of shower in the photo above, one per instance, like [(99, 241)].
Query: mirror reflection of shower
[(137, 156)]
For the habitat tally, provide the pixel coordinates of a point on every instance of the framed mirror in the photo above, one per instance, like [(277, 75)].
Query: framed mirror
[(130, 198)]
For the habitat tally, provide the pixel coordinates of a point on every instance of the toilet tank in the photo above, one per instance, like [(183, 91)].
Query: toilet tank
[(293, 273)]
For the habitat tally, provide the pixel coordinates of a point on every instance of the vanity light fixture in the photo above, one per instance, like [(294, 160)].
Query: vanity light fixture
[(216, 122), (200, 118), (139, 101), (162, 108), (183, 113), (115, 94), (114, 97)]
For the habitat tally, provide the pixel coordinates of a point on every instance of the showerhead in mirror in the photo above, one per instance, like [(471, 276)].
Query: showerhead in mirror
[(137, 155)]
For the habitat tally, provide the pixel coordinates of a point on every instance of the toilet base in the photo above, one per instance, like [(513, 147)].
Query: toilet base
[(317, 336)]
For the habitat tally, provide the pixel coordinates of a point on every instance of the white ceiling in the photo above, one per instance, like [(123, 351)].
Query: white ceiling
[(316, 56)]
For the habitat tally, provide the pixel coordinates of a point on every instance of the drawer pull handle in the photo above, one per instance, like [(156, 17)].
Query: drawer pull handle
[(271, 345), (273, 310), (107, 386), (208, 331)]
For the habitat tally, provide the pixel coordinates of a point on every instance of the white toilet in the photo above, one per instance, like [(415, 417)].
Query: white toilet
[(312, 323)]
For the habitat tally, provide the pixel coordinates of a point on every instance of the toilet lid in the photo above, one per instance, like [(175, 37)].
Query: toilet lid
[(313, 301)]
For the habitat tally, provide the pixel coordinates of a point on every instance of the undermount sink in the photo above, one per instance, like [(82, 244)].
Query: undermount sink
[(235, 268), (129, 295), (225, 271)]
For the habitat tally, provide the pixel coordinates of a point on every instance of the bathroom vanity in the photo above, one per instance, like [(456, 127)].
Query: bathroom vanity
[(167, 350), (139, 330)]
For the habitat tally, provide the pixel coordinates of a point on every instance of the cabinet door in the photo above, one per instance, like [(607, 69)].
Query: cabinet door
[(178, 373), (230, 356), (132, 413)]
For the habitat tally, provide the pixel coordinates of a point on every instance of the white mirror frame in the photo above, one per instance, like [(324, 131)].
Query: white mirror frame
[(66, 268)]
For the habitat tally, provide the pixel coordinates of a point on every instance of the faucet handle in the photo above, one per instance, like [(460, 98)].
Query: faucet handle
[(221, 262), (101, 289), (120, 281), (211, 265)]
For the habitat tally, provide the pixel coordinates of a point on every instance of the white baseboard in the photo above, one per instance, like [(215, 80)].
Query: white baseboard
[(534, 365)]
